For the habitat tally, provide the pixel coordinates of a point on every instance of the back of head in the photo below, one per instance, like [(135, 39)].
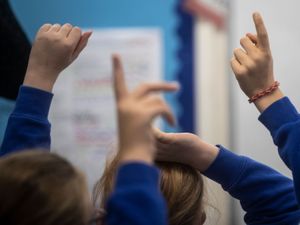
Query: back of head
[(183, 188), (39, 188), (181, 185)]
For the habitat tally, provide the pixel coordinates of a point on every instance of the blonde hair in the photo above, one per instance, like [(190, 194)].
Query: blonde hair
[(181, 185), (41, 188)]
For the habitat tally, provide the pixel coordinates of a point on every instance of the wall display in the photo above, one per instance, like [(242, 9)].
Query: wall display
[(83, 109)]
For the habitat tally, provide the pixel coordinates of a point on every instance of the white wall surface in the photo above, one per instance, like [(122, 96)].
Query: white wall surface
[(212, 109), (282, 18)]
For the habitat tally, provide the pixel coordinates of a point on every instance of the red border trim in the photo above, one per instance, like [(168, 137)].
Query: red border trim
[(199, 9)]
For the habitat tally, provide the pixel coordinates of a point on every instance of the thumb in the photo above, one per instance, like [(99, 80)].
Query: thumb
[(161, 136)]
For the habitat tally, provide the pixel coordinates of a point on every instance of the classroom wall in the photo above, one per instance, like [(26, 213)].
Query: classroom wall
[(249, 137), (212, 110), (109, 14), (105, 14)]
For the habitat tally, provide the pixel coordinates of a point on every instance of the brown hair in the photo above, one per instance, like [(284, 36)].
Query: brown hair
[(38, 187), (181, 185)]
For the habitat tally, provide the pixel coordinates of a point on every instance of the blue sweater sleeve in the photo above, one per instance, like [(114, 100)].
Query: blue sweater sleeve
[(283, 122), (28, 126), (136, 199), (267, 196)]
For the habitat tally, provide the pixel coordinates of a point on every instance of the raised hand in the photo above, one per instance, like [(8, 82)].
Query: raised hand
[(54, 49), (136, 111), (253, 65), (185, 148)]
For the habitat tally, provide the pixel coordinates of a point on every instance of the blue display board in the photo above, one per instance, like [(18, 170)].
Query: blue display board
[(176, 25)]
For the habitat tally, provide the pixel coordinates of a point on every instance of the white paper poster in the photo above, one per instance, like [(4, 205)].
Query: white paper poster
[(83, 108), (220, 6)]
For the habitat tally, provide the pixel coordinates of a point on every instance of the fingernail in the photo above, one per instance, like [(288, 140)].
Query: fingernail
[(255, 14), (115, 55)]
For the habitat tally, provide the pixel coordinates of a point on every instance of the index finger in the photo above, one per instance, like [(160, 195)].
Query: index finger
[(118, 77), (262, 34)]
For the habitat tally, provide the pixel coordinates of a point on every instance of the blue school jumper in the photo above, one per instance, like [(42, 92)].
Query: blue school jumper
[(283, 122), (267, 196)]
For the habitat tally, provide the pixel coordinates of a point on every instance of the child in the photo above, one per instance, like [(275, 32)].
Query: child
[(266, 195), (37, 187), (253, 67), (134, 111), (137, 191), (54, 49), (136, 183), (181, 185)]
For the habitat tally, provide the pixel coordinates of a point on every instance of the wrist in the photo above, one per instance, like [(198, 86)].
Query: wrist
[(40, 80), (136, 155), (264, 102), (205, 156)]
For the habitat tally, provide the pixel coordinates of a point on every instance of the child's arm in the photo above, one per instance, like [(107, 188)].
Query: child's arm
[(54, 49), (136, 198), (283, 122), (267, 196), (254, 72)]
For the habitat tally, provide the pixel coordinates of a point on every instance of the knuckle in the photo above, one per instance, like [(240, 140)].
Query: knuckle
[(40, 37), (233, 61), (242, 72), (257, 58), (55, 38), (45, 26), (145, 86), (251, 66), (158, 100), (236, 51), (243, 40), (164, 108), (68, 45), (263, 35), (68, 25), (159, 110), (77, 29), (267, 55), (44, 37), (122, 106)]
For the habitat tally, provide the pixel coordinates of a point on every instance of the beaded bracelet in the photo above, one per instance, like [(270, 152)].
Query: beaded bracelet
[(274, 86)]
